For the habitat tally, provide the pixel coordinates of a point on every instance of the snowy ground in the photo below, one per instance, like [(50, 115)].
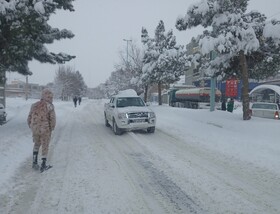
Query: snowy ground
[(196, 162)]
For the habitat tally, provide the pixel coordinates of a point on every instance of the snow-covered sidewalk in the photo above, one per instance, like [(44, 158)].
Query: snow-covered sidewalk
[(196, 162)]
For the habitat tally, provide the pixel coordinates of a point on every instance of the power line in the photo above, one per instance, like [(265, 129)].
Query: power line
[(273, 15)]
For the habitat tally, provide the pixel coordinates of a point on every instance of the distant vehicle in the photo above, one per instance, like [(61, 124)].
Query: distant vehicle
[(196, 98), (265, 110), (127, 111), (3, 114)]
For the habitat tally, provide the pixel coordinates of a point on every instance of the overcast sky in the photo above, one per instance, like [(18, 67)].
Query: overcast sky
[(101, 25)]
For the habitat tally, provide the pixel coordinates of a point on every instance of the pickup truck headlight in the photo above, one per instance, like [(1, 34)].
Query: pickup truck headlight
[(152, 115), (122, 116)]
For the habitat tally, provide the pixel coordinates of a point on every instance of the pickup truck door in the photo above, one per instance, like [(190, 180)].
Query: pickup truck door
[(110, 109)]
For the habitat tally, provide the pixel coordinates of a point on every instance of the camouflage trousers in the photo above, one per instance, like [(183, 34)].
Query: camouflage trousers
[(44, 140)]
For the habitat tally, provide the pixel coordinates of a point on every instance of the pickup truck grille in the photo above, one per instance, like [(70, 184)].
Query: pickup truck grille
[(138, 115)]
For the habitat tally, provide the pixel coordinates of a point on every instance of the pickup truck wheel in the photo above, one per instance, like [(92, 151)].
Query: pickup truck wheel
[(116, 129), (151, 129), (106, 121)]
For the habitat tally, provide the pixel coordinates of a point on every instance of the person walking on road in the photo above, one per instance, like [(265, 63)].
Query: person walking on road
[(224, 107), (42, 121), (230, 105), (80, 100), (75, 99)]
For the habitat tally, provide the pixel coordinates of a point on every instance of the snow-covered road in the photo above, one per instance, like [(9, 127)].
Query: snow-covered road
[(97, 172)]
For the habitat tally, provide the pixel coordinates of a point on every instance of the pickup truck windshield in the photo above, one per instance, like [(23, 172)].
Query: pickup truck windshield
[(129, 101), (271, 106)]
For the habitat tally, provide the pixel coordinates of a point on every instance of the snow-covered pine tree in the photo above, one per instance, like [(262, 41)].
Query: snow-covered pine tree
[(69, 83), (119, 80), (147, 58), (110, 88), (24, 31), (164, 61), (245, 43), (132, 67), (136, 68), (80, 84)]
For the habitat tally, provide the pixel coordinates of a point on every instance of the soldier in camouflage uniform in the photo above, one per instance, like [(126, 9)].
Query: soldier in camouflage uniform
[(42, 120)]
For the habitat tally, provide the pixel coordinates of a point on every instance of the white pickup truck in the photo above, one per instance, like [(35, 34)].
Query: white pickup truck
[(127, 111)]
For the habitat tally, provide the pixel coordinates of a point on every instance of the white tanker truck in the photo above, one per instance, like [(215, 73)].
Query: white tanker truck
[(196, 98)]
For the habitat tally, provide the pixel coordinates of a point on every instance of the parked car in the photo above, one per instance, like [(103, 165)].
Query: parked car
[(265, 110), (3, 114), (126, 112)]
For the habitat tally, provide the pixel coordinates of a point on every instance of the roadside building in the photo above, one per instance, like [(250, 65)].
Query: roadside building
[(18, 88)]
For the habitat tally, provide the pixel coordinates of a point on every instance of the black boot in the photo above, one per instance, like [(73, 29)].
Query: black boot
[(43, 165), (35, 161)]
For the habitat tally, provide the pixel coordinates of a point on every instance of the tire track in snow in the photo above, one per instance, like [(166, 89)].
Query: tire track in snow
[(168, 189), (211, 174)]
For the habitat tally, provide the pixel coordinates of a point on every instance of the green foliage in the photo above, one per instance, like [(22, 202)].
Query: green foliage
[(244, 42), (164, 61), (24, 31), (231, 31)]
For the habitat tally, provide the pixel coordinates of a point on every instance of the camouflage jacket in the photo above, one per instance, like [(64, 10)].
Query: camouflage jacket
[(42, 116)]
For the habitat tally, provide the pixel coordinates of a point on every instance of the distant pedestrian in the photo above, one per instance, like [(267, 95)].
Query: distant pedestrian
[(42, 121), (224, 106), (75, 99), (230, 105), (80, 100)]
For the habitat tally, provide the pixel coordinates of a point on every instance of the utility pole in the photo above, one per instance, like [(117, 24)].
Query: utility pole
[(127, 40), (213, 85), (2, 87), (26, 88)]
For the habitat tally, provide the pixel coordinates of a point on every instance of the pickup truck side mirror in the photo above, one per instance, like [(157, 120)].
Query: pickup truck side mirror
[(148, 103), (112, 105)]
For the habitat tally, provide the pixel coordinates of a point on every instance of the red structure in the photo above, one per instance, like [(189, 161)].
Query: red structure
[(231, 88)]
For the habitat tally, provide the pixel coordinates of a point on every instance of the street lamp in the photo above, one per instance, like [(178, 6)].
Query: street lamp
[(127, 40)]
